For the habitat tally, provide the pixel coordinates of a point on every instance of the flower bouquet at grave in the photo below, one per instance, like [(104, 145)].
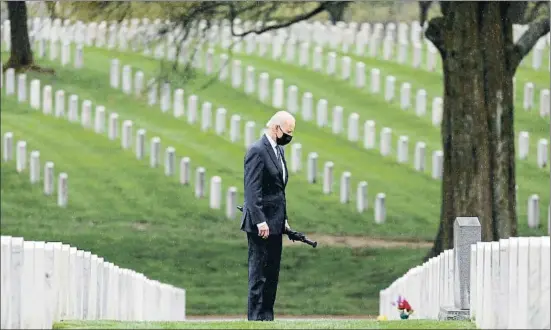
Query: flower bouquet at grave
[(403, 307)]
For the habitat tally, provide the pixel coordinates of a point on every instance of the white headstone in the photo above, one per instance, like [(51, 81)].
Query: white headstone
[(437, 111), (35, 94), (337, 122), (21, 156), (220, 121), (22, 87), (312, 167), (7, 147), (113, 126), (10, 81), (523, 144), (328, 177), (235, 123), (86, 114), (437, 164), (369, 134), (165, 97), (34, 166), (345, 188), (360, 75), (60, 103), (47, 100), (48, 178), (200, 182), (215, 199), (353, 127), (277, 99), (321, 113), (528, 101), (63, 190), (138, 83), (533, 211), (72, 116), (405, 97), (155, 152), (545, 103), (206, 116), (140, 143), (292, 99), (389, 88), (380, 208), (178, 104), (170, 161), (307, 105), (386, 140), (264, 87), (192, 109), (126, 136), (543, 156), (127, 79), (152, 92), (249, 80), (296, 157), (250, 128), (114, 74), (99, 120), (419, 161), (402, 149), (421, 102), (236, 73), (375, 81), (231, 202), (361, 197)]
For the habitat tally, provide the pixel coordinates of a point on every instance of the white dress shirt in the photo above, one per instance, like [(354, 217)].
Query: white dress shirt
[(274, 145)]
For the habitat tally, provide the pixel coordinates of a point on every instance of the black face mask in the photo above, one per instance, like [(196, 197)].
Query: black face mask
[(284, 139)]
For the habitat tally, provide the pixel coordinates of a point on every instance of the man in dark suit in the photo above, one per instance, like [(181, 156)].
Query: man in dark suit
[(265, 213)]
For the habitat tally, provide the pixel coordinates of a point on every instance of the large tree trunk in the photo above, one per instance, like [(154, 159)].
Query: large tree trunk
[(474, 38), (21, 54)]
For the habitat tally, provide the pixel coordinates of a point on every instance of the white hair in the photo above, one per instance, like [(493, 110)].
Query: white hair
[(278, 119)]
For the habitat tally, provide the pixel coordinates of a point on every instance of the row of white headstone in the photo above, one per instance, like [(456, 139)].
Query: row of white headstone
[(314, 59), (249, 135), (306, 109), (509, 285), (542, 149), (98, 122), (34, 168), (343, 36), (46, 282)]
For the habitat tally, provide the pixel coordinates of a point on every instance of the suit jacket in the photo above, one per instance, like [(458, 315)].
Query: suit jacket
[(264, 189)]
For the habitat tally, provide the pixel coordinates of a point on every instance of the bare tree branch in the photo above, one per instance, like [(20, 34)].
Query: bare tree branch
[(424, 7), (299, 18), (528, 40), (435, 33)]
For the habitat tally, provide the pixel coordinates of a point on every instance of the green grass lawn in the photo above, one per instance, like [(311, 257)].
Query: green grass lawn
[(138, 218), (321, 324)]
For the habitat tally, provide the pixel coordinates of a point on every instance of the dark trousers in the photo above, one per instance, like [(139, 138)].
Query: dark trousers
[(264, 264)]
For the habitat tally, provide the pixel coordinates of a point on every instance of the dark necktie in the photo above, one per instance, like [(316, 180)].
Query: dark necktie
[(279, 154)]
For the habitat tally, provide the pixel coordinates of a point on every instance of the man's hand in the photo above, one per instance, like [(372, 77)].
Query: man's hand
[(263, 230), (287, 227)]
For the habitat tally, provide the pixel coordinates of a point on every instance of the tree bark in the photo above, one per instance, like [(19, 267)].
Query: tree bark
[(21, 54), (474, 39)]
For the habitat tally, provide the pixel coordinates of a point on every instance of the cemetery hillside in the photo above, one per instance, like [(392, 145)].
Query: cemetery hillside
[(123, 157)]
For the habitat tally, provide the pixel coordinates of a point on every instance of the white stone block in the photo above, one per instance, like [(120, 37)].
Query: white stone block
[(215, 200), (345, 188), (380, 208)]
